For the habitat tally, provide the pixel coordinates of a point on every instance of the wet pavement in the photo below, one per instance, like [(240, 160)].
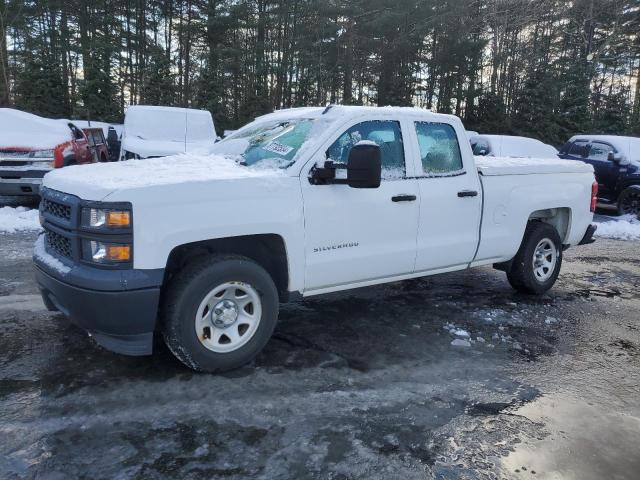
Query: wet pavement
[(363, 384)]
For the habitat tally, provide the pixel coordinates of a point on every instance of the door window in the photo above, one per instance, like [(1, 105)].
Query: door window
[(439, 148), (385, 133), (579, 148), (480, 146), (600, 151)]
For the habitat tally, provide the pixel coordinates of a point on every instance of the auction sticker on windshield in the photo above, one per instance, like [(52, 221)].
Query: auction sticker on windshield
[(277, 147)]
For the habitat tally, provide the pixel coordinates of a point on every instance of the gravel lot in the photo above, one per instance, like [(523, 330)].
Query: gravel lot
[(364, 384)]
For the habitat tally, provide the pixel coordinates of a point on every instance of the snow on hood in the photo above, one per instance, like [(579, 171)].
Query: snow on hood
[(24, 130), (96, 181)]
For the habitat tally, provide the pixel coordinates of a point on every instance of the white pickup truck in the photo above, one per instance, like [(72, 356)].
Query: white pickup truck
[(297, 203)]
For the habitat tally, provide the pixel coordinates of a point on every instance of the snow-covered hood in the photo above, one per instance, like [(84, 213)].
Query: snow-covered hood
[(26, 131), (99, 180), (161, 148)]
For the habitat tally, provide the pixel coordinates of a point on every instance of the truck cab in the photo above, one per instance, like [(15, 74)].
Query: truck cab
[(298, 203)]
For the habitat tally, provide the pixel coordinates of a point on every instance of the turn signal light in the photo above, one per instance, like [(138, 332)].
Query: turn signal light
[(118, 218), (594, 196), (118, 253)]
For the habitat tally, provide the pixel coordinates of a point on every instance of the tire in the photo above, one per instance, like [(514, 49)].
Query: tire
[(542, 239), (188, 317), (629, 201)]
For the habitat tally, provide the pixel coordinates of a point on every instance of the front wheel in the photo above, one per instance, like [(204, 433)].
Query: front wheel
[(219, 312), (536, 266), (629, 201)]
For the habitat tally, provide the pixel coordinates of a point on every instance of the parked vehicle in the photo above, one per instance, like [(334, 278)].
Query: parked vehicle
[(616, 162), (30, 146), (151, 131), (97, 144), (297, 203), (511, 146)]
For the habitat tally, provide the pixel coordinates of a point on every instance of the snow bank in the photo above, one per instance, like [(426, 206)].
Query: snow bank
[(626, 227), (24, 130), (154, 171), (18, 219)]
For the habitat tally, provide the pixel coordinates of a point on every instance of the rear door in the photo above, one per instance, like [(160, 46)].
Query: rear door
[(361, 234), (450, 198)]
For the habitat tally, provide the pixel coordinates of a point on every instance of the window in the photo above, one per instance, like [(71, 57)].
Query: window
[(385, 133), (480, 146), (579, 148), (439, 149), (77, 133), (600, 151), (98, 137), (275, 143)]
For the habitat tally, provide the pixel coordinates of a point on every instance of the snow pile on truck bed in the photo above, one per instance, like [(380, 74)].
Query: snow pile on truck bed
[(18, 219), (626, 227), (24, 130), (154, 171), (527, 166)]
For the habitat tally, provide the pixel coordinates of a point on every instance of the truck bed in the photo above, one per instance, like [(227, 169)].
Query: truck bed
[(491, 166)]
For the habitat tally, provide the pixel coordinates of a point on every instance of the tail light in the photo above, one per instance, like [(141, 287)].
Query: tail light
[(594, 196)]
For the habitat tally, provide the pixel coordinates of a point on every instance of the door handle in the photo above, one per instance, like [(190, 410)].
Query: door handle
[(467, 193), (403, 198)]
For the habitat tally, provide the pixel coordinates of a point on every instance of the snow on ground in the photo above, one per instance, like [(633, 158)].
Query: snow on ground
[(18, 219), (626, 227)]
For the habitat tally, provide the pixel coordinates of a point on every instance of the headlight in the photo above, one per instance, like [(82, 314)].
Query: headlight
[(106, 218), (106, 253)]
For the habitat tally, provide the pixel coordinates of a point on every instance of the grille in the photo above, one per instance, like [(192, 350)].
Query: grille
[(56, 209), (58, 244)]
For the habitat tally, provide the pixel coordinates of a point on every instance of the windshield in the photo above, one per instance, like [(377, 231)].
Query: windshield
[(274, 143)]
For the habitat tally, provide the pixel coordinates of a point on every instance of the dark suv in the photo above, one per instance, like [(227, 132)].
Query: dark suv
[(616, 162)]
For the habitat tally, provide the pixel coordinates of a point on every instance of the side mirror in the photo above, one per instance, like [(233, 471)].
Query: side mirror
[(614, 157), (364, 166)]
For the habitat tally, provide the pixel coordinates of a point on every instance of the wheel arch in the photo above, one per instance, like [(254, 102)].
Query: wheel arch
[(267, 250), (559, 218)]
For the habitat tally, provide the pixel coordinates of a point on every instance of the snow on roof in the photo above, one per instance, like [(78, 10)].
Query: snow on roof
[(517, 146), (628, 146), (94, 180), (173, 124), (352, 110), (25, 130)]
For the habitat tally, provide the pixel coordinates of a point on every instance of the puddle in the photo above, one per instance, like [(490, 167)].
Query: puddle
[(585, 442)]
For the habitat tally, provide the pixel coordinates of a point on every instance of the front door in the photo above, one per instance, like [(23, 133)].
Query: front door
[(606, 170), (358, 234)]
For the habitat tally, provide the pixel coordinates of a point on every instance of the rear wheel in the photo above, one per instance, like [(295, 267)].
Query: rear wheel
[(536, 266), (219, 312), (629, 201)]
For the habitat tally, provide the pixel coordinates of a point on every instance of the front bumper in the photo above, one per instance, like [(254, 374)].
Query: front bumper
[(120, 320), (20, 186)]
